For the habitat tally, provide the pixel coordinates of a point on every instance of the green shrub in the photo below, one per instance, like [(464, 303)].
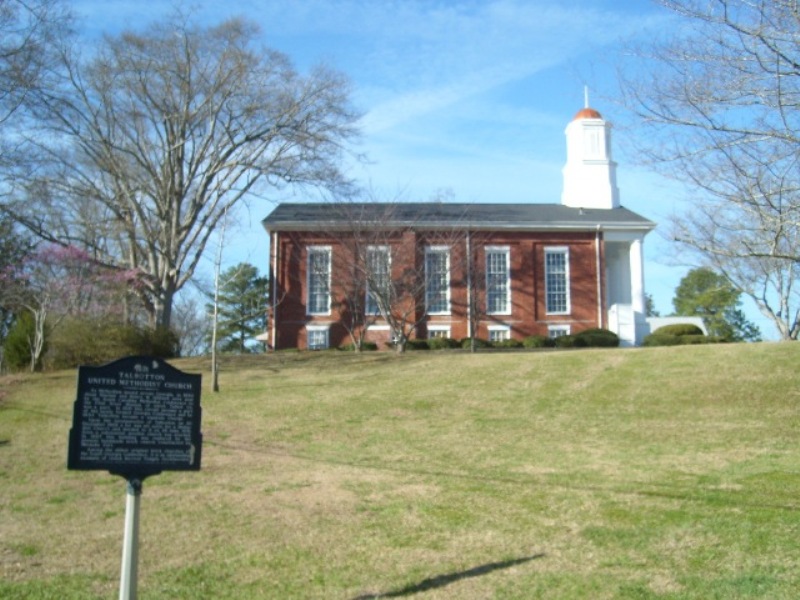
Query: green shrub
[(365, 347), (442, 343), (660, 339), (417, 345), (679, 329), (599, 338), (162, 342), (90, 342), (564, 341), (511, 343), (538, 341), (467, 343), (701, 339), (82, 342), (676, 335), (570, 341), (17, 346)]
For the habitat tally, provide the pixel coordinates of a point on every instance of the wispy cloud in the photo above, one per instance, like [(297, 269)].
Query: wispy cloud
[(416, 58), (411, 58)]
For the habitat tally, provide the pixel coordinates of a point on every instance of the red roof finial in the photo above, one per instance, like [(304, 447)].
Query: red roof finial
[(586, 112)]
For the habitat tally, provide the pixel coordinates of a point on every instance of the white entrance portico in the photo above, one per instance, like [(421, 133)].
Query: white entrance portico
[(625, 285), (590, 182)]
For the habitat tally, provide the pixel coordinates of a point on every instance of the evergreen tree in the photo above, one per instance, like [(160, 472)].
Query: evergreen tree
[(704, 293), (243, 298), (14, 248), (650, 306)]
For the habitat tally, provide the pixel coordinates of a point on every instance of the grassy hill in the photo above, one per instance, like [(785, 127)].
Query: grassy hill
[(667, 473)]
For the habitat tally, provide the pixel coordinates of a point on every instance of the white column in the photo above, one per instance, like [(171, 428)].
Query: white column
[(468, 243), (637, 276), (273, 281)]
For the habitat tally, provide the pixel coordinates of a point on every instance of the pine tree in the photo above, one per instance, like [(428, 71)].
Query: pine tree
[(243, 301), (14, 248)]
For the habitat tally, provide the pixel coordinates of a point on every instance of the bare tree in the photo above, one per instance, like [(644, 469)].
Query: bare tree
[(146, 145), (30, 32), (215, 307), (719, 102), (484, 286), (190, 323), (390, 276), (350, 296), (363, 257)]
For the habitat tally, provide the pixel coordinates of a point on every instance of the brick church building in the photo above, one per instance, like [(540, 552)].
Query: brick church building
[(343, 273)]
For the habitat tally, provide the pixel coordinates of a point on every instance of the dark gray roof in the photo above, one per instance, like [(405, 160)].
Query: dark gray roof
[(435, 215)]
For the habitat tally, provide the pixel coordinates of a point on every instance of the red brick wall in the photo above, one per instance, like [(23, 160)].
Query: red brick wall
[(528, 313)]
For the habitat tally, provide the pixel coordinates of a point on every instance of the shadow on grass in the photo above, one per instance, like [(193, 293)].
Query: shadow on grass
[(442, 580)]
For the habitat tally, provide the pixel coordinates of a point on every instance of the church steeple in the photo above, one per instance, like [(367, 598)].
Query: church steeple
[(590, 175)]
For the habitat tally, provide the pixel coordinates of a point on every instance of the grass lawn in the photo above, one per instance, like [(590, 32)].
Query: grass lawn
[(668, 473)]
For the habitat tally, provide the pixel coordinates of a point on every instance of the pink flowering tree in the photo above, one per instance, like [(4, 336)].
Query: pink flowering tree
[(59, 281)]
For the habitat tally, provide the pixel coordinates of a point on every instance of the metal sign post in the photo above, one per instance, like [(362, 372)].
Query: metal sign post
[(130, 544), (135, 417)]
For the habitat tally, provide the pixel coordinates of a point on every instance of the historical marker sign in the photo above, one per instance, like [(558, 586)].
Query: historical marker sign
[(136, 417)]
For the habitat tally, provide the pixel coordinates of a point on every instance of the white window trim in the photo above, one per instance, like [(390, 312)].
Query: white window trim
[(551, 329), (316, 329), (309, 251), (438, 250), (565, 251), (507, 251), (439, 328), (388, 251), (504, 328)]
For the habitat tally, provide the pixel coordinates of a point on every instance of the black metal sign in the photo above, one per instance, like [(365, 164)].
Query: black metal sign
[(136, 417)]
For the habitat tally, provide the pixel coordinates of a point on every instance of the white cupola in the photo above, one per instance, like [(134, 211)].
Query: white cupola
[(590, 176)]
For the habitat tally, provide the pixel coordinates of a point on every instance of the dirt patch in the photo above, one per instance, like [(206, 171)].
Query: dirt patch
[(7, 382)]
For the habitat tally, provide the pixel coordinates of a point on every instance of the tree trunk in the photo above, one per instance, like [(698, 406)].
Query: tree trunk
[(37, 343), (165, 318)]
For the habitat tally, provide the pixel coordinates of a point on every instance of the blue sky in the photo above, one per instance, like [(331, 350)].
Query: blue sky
[(467, 97)]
